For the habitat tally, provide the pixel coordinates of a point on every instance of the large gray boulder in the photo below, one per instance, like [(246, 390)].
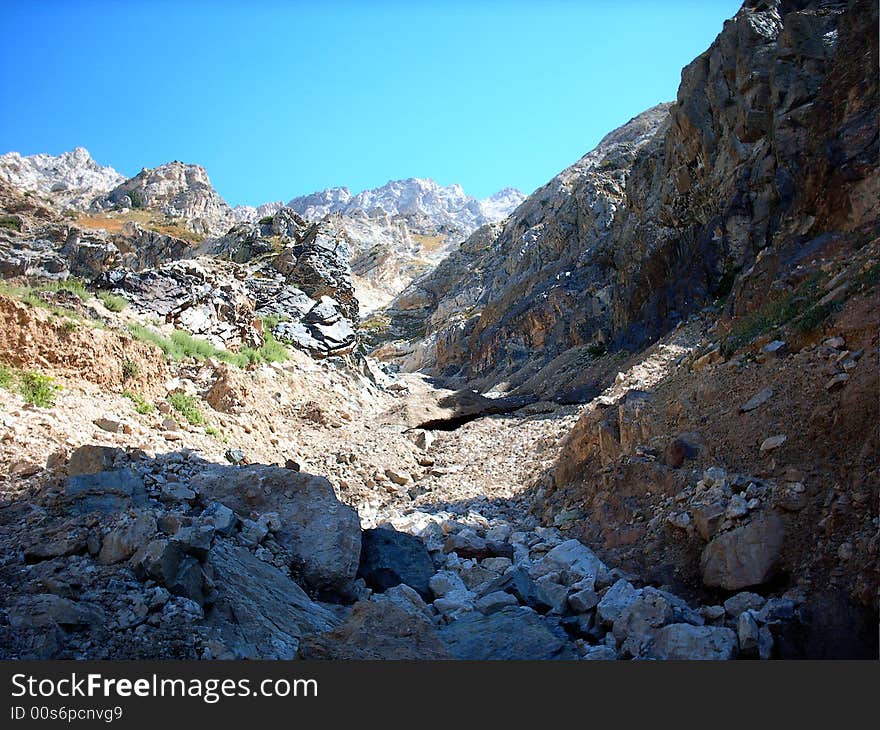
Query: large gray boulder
[(105, 491), (322, 533), (574, 561), (259, 613), (617, 598), (511, 633), (684, 641), (746, 556)]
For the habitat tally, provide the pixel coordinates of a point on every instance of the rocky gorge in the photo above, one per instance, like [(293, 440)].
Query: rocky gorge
[(630, 416)]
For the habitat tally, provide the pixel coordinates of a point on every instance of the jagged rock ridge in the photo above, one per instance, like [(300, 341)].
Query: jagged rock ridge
[(70, 180)]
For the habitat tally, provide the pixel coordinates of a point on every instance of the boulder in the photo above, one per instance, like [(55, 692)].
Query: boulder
[(445, 582), (388, 626), (389, 558), (743, 601), (121, 543), (91, 459), (158, 560), (258, 612), (747, 632), (616, 599), (46, 609), (745, 556), (757, 400), (574, 561), (684, 641), (513, 633), (638, 622), (322, 533), (105, 491), (519, 584), (495, 601)]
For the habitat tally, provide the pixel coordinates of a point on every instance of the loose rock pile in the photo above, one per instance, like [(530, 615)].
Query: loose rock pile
[(133, 554)]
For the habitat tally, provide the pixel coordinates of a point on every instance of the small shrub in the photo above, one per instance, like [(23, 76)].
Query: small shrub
[(815, 316), (188, 407), (272, 350), (70, 325), (7, 376), (772, 314), (869, 277), (12, 222), (38, 390), (136, 197), (211, 431), (130, 370), (182, 345), (145, 334), (190, 346), (112, 302), (597, 349), (141, 404)]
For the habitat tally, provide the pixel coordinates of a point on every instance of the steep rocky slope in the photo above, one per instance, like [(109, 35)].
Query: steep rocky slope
[(664, 214), (69, 180), (749, 458)]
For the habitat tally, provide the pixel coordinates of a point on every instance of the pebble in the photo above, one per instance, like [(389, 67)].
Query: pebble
[(773, 442)]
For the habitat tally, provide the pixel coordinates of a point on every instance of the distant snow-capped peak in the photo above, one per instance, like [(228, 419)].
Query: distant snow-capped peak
[(443, 206)]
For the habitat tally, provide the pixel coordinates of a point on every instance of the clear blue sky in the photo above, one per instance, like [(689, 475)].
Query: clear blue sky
[(278, 99)]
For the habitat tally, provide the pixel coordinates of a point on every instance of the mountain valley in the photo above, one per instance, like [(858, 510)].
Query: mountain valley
[(632, 415)]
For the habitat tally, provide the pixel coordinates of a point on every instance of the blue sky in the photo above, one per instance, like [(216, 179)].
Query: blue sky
[(278, 99)]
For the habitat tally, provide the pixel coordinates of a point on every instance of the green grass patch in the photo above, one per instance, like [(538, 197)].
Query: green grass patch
[(815, 316), (72, 285), (37, 390), (188, 407), (7, 376), (30, 296), (182, 345), (12, 222), (272, 350), (141, 404), (799, 304), (112, 302)]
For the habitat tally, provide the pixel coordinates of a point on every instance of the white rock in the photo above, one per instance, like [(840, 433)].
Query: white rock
[(446, 582)]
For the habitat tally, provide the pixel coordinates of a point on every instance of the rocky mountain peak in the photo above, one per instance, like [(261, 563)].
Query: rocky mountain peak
[(72, 179), (177, 189)]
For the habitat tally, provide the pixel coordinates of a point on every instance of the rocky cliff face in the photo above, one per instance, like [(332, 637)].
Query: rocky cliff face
[(178, 190), (660, 218), (69, 180)]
